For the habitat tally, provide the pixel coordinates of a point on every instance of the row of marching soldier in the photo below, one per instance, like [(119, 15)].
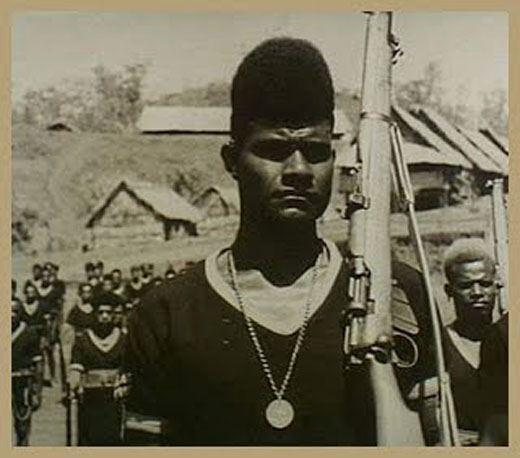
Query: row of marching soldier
[(89, 342)]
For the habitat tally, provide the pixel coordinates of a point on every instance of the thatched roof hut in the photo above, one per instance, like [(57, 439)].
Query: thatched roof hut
[(218, 201), (143, 210)]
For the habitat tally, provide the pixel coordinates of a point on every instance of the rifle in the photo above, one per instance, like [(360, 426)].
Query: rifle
[(71, 402), (368, 334), (500, 239), (445, 405)]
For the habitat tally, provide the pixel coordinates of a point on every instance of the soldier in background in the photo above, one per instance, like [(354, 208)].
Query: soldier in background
[(50, 300), (36, 273), (117, 282), (134, 287), (169, 273), (82, 316), (147, 278), (95, 363), (33, 312), (26, 362), (90, 274), (99, 269), (472, 286), (107, 284)]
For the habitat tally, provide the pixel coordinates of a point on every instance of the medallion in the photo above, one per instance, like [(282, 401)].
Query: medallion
[(279, 413)]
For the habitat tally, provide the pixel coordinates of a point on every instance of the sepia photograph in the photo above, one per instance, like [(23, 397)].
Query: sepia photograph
[(259, 229)]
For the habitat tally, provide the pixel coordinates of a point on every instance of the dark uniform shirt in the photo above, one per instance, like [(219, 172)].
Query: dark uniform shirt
[(193, 362), (25, 348), (80, 319), (493, 370), (465, 390)]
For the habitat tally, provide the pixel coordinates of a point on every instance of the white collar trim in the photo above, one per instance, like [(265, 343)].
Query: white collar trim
[(106, 344), (30, 309), (223, 289), (467, 348)]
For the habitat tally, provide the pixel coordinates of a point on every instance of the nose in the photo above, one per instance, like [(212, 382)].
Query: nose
[(477, 290), (297, 171)]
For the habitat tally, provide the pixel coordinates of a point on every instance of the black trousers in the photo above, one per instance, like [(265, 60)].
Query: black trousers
[(21, 410)]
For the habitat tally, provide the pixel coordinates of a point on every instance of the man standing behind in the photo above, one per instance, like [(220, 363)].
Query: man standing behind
[(472, 286)]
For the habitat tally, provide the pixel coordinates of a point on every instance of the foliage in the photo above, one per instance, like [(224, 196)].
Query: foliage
[(495, 110), (428, 90), (111, 101), (215, 94)]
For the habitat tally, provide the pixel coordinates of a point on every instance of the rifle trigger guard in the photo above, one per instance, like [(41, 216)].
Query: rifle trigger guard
[(356, 201)]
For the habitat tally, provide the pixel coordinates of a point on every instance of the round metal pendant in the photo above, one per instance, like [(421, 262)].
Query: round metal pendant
[(279, 413)]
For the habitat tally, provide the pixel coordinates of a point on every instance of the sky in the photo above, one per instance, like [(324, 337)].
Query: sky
[(192, 49)]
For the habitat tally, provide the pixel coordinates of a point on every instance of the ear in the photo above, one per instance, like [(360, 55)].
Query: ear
[(229, 152)]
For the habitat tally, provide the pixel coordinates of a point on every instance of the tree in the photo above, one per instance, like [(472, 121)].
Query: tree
[(119, 97), (426, 90), (110, 102), (495, 110)]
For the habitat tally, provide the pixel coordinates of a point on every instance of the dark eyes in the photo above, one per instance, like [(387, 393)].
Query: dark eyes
[(468, 285), (278, 150)]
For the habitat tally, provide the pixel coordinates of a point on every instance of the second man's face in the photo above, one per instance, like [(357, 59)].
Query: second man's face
[(474, 290), (285, 173)]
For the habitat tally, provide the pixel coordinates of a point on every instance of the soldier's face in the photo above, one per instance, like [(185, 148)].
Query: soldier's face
[(46, 277), (105, 314), (473, 289), (37, 272), (107, 285), (30, 293), (116, 278), (86, 294), (135, 273), (284, 173)]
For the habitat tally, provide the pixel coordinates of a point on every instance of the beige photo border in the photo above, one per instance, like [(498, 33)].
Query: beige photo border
[(7, 7)]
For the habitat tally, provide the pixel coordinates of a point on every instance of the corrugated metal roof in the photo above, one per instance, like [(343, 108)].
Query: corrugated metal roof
[(458, 140), (215, 120), (414, 154), (490, 149), (451, 155), (160, 199)]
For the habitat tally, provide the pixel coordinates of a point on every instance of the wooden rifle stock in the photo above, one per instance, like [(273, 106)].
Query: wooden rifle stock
[(368, 333)]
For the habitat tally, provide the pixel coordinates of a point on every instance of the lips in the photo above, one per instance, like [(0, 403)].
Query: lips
[(481, 306), (293, 194)]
